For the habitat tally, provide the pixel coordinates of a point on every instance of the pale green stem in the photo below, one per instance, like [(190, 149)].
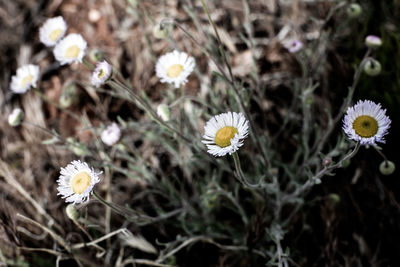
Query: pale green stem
[(240, 174)]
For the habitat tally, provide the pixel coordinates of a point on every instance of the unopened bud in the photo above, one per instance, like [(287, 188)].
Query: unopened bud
[(327, 161), (161, 31), (72, 212), (96, 55), (68, 96), (346, 163), (387, 167), (373, 41), (354, 10), (372, 67), (15, 117), (335, 198), (164, 112)]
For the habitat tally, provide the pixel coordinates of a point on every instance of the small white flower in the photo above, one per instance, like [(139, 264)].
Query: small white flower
[(15, 117), (366, 122), (76, 182), (111, 135), (373, 41), (294, 46), (70, 49), (26, 77), (52, 31), (224, 133), (175, 67), (101, 73)]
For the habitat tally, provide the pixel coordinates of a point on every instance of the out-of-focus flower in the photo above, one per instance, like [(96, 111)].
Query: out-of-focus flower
[(76, 182), (15, 117), (294, 46), (70, 49), (175, 67), (224, 133), (52, 31), (101, 73), (111, 135), (25, 78), (366, 122)]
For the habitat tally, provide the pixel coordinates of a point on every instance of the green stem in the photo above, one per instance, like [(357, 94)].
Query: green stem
[(240, 174)]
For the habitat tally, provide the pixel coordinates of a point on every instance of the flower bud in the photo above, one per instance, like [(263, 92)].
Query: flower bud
[(96, 55), (15, 117), (354, 10), (346, 163), (68, 96), (387, 167), (164, 112), (327, 161), (161, 31), (335, 198), (373, 41), (72, 212), (372, 67)]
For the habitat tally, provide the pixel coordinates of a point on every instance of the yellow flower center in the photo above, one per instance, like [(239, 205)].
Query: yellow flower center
[(174, 70), (80, 182), (27, 79), (54, 35), (365, 126), (224, 136), (102, 73), (72, 52)]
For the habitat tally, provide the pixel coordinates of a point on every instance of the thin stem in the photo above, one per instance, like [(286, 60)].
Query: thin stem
[(240, 174), (310, 182), (382, 155)]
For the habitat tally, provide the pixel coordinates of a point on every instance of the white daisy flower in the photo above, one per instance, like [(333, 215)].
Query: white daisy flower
[(101, 73), (175, 67), (26, 77), (111, 135), (52, 31), (224, 133), (70, 49), (294, 46), (366, 122), (76, 182)]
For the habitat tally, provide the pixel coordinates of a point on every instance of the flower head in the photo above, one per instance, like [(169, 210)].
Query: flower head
[(373, 41), (224, 133), (52, 31), (70, 49), (26, 77), (366, 122), (15, 117), (76, 182), (101, 73), (294, 46), (175, 67), (111, 135)]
